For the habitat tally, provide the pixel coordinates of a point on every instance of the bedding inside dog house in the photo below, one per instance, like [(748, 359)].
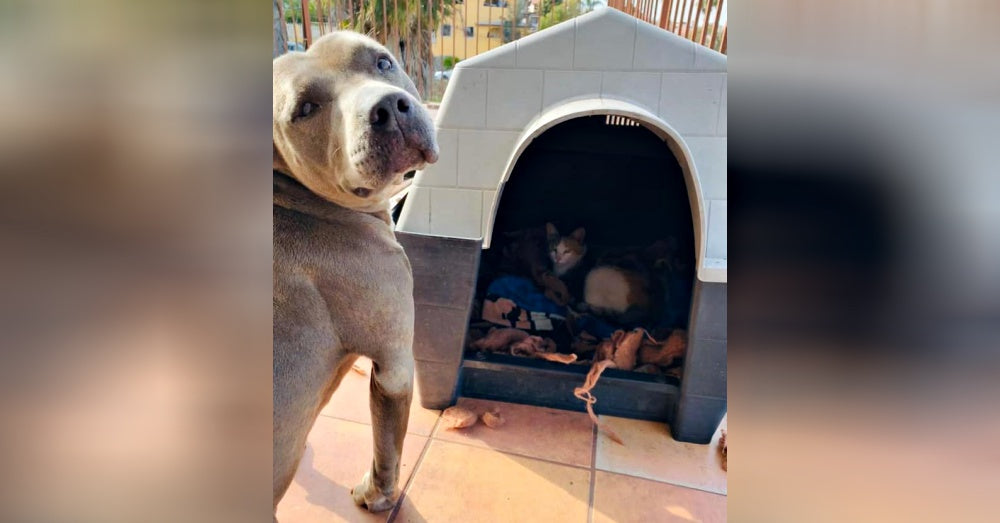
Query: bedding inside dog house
[(603, 121)]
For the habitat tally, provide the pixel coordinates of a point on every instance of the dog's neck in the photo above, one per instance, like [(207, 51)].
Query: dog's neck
[(289, 193)]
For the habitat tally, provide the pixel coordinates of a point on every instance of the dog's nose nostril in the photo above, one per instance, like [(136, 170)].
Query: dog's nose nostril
[(380, 116), (390, 108)]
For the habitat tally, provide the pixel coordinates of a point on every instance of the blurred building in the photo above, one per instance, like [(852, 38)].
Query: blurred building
[(476, 26)]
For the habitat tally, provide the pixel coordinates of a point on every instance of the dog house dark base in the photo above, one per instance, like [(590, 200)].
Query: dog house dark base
[(445, 272), (547, 384)]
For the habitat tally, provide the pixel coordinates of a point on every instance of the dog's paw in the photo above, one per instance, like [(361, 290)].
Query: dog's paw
[(366, 495)]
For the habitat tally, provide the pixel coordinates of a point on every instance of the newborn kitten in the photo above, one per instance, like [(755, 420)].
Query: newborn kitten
[(565, 251)]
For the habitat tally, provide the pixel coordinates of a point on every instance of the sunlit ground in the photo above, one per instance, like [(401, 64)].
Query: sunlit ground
[(541, 465)]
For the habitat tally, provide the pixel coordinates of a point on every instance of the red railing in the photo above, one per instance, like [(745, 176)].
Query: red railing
[(701, 21)]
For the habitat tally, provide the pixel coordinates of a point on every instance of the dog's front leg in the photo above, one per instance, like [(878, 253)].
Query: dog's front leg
[(391, 393)]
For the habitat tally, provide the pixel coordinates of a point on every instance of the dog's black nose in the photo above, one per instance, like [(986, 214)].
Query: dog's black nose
[(388, 112)]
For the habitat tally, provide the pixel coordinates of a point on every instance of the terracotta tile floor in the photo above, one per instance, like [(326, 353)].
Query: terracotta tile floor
[(542, 465)]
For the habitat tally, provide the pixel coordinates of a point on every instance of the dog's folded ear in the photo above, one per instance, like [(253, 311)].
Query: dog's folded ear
[(278, 162)]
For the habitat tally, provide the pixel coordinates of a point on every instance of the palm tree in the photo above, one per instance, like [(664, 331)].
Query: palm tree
[(280, 34), (405, 28)]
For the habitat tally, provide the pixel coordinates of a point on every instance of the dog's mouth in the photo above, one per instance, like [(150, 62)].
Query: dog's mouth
[(399, 179), (391, 171), (389, 156), (411, 160), (430, 155)]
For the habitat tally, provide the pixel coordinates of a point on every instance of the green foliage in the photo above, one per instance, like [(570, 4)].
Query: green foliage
[(448, 62), (403, 26), (375, 17), (555, 13), (373, 10), (293, 11)]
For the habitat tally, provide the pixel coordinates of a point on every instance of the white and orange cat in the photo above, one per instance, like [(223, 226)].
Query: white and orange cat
[(566, 252), (618, 291)]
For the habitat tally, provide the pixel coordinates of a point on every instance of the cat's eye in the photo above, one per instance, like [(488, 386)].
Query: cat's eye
[(383, 64)]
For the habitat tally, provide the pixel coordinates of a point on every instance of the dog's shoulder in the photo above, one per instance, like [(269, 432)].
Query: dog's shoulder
[(309, 227)]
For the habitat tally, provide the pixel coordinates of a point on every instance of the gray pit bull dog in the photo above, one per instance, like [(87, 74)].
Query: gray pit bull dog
[(348, 124)]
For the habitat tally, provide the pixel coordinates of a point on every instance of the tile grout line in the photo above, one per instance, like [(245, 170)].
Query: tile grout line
[(662, 481), (674, 484), (635, 41), (356, 422), (593, 474), (595, 434), (665, 482), (486, 100), (593, 462), (430, 198), (510, 453), (413, 475), (368, 424)]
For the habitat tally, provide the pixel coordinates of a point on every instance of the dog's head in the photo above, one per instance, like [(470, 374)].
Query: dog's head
[(348, 122)]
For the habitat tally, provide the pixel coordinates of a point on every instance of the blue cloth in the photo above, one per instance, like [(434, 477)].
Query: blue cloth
[(525, 294), (594, 326)]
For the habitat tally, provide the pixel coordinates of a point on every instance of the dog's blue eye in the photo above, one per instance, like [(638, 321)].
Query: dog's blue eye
[(384, 64), (304, 110)]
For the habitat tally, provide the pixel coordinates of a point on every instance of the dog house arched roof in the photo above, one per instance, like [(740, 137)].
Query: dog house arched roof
[(604, 62)]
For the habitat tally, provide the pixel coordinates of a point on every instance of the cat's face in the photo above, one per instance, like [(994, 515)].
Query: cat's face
[(565, 251)]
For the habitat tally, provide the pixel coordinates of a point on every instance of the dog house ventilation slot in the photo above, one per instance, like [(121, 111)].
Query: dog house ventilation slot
[(620, 120)]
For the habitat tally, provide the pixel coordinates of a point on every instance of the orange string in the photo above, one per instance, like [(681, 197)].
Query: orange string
[(584, 394)]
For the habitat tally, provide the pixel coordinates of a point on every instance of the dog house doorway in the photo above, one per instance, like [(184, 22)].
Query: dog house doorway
[(621, 182)]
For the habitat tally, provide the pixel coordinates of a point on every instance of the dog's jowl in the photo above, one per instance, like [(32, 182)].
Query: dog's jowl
[(348, 125)]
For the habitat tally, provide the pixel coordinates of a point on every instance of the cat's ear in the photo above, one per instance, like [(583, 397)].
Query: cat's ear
[(551, 231), (578, 234)]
